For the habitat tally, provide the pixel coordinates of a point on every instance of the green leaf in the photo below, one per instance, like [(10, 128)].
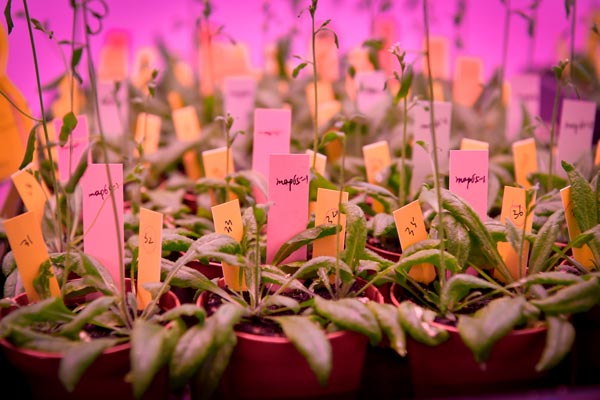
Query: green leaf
[(310, 267), (7, 15), (78, 173), (460, 285), (302, 239), (282, 301), (350, 313), (545, 239), (30, 149), (389, 321), (583, 197), (550, 278), (185, 310), (51, 309), (149, 353), (427, 256), (576, 298), (489, 324), (298, 68), (356, 234), (406, 83), (331, 136), (417, 322), (559, 340), (68, 125), (87, 314), (310, 340), (76, 360), (75, 58)]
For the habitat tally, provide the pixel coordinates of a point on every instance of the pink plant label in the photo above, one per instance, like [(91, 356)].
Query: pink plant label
[(238, 99), (288, 191), (99, 225), (114, 107), (525, 91), (372, 98), (423, 153), (576, 132), (272, 132), (70, 154), (469, 178)]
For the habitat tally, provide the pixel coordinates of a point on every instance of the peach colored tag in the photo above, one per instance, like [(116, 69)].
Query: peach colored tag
[(147, 132), (439, 56), (411, 229), (187, 129), (377, 158), (582, 254), (31, 191), (514, 209), (327, 212), (320, 163), (467, 80), (227, 218), (113, 64), (150, 251), (597, 157), (472, 144), (525, 160), (218, 165), (29, 249)]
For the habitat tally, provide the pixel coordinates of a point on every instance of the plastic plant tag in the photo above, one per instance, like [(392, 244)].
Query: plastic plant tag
[(377, 158), (31, 191), (514, 209), (467, 85), (227, 218), (576, 131), (372, 99), (473, 144), (70, 154), (288, 185), (439, 56), (113, 63), (100, 222), (411, 229), (469, 178), (582, 254), (150, 252), (327, 212), (114, 108), (597, 156), (525, 160), (29, 249), (218, 165), (325, 94), (147, 132), (187, 129), (525, 92), (321, 162), (422, 157), (238, 100)]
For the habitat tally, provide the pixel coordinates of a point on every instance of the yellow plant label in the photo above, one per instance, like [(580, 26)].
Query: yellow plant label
[(411, 229), (218, 165), (582, 254), (514, 209), (150, 251), (468, 78), (187, 129), (377, 158), (472, 144), (147, 132), (28, 246), (227, 218), (320, 163), (597, 156), (525, 159), (327, 212), (31, 191)]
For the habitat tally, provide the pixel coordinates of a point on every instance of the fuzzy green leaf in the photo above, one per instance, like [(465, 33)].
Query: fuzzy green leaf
[(69, 123), (356, 234), (571, 299), (583, 197), (298, 68), (78, 173), (389, 321), (417, 322), (559, 340), (428, 256), (302, 239), (458, 286), (77, 359), (489, 324), (550, 278), (350, 313), (545, 239), (310, 267), (310, 340), (30, 149), (8, 16), (91, 310)]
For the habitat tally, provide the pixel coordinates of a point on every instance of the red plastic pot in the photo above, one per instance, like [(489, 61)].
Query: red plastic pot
[(450, 369), (266, 367), (105, 379), (393, 256)]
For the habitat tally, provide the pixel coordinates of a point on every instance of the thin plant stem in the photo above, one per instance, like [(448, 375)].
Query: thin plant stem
[(553, 135), (402, 185), (315, 87), (339, 218), (504, 64), (58, 225), (438, 191), (16, 107), (573, 21)]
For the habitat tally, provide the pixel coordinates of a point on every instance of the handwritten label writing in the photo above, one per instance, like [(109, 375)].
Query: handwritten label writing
[(241, 93), (575, 127), (104, 191), (269, 133), (293, 181), (411, 228), (438, 123), (228, 226), (26, 241), (331, 216), (470, 179), (517, 211)]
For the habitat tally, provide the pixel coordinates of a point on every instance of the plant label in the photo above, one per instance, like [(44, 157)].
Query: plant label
[(29, 249), (288, 186), (468, 78), (514, 209), (372, 99), (597, 156), (187, 129), (325, 94), (327, 57), (582, 254), (113, 62), (377, 158), (70, 154), (238, 100), (327, 212), (146, 61), (472, 144), (150, 251), (469, 178), (33, 194), (410, 226), (147, 132), (272, 133), (525, 91), (422, 154), (320, 163), (576, 131), (439, 55), (103, 233), (227, 218), (525, 160), (218, 163), (114, 108)]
